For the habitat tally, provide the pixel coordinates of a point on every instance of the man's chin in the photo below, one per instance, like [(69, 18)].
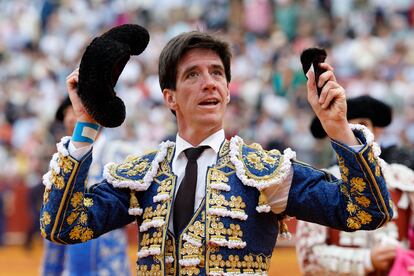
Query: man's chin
[(210, 120)]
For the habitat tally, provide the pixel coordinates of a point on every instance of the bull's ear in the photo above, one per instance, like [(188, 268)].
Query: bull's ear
[(309, 56), (101, 65)]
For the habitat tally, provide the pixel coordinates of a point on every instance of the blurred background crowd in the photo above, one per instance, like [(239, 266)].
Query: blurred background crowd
[(369, 43)]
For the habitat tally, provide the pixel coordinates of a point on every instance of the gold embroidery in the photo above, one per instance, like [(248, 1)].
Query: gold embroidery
[(351, 208), (75, 233), (133, 202), (189, 249), (260, 160), (224, 149), (170, 252), (269, 160), (344, 170), (88, 202), (138, 168), (165, 187), (81, 233), (235, 231), (262, 199), (193, 247), (160, 211), (217, 229), (255, 160), (358, 217), (46, 219), (353, 223), (197, 229), (363, 200), (256, 146), (357, 184), (238, 264), (142, 270), (192, 270), (83, 218), (43, 232), (236, 203), (65, 163), (62, 204), (72, 217), (371, 157), (125, 166), (218, 200), (218, 176), (216, 261), (372, 160), (364, 217), (57, 180), (86, 235), (145, 240), (247, 264), (46, 195), (377, 170), (76, 199), (344, 190), (232, 263)]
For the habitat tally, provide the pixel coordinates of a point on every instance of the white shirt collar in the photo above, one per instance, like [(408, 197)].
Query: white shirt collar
[(214, 141)]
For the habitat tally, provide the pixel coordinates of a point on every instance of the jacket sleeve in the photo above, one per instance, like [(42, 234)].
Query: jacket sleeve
[(71, 213), (357, 201)]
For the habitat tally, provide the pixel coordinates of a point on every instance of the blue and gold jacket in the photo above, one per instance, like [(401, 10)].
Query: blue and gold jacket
[(233, 232)]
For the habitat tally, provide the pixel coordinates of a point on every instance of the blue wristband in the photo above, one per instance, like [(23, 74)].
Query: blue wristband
[(85, 132)]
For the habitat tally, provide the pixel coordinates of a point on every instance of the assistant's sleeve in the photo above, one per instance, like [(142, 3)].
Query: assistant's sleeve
[(70, 213), (317, 257), (358, 201)]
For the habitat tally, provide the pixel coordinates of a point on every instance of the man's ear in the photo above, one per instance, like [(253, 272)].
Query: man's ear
[(228, 97), (169, 98)]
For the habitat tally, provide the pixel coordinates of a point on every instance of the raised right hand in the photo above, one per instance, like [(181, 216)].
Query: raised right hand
[(383, 256), (81, 113)]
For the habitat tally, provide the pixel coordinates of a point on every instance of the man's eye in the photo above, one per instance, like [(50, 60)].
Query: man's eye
[(192, 75), (218, 72)]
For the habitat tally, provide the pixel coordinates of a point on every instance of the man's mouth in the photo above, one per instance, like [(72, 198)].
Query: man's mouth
[(209, 102)]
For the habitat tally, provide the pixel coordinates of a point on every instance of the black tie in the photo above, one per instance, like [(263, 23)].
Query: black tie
[(184, 200)]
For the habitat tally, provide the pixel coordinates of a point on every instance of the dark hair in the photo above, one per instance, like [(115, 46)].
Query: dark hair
[(179, 45)]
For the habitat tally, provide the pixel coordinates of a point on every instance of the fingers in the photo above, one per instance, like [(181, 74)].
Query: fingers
[(387, 256), (73, 76), (328, 75), (311, 86), (383, 256), (78, 107), (72, 81), (330, 92)]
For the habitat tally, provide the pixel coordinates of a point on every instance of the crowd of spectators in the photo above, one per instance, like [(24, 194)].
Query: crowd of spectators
[(369, 43)]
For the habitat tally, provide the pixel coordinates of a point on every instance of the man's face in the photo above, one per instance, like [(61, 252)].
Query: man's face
[(201, 93), (69, 120)]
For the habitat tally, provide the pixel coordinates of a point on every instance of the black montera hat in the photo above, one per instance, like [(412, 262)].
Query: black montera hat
[(377, 111), (60, 113), (100, 67)]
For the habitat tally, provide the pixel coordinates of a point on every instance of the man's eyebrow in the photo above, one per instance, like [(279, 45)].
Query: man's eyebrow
[(218, 66), (189, 69)]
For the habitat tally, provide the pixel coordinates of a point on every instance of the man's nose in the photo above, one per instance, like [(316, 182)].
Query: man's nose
[(209, 83)]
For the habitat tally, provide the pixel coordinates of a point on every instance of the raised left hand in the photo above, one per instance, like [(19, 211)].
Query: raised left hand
[(330, 107)]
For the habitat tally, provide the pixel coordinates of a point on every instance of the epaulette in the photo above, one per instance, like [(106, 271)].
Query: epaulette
[(257, 167), (131, 172), (137, 172), (260, 168)]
